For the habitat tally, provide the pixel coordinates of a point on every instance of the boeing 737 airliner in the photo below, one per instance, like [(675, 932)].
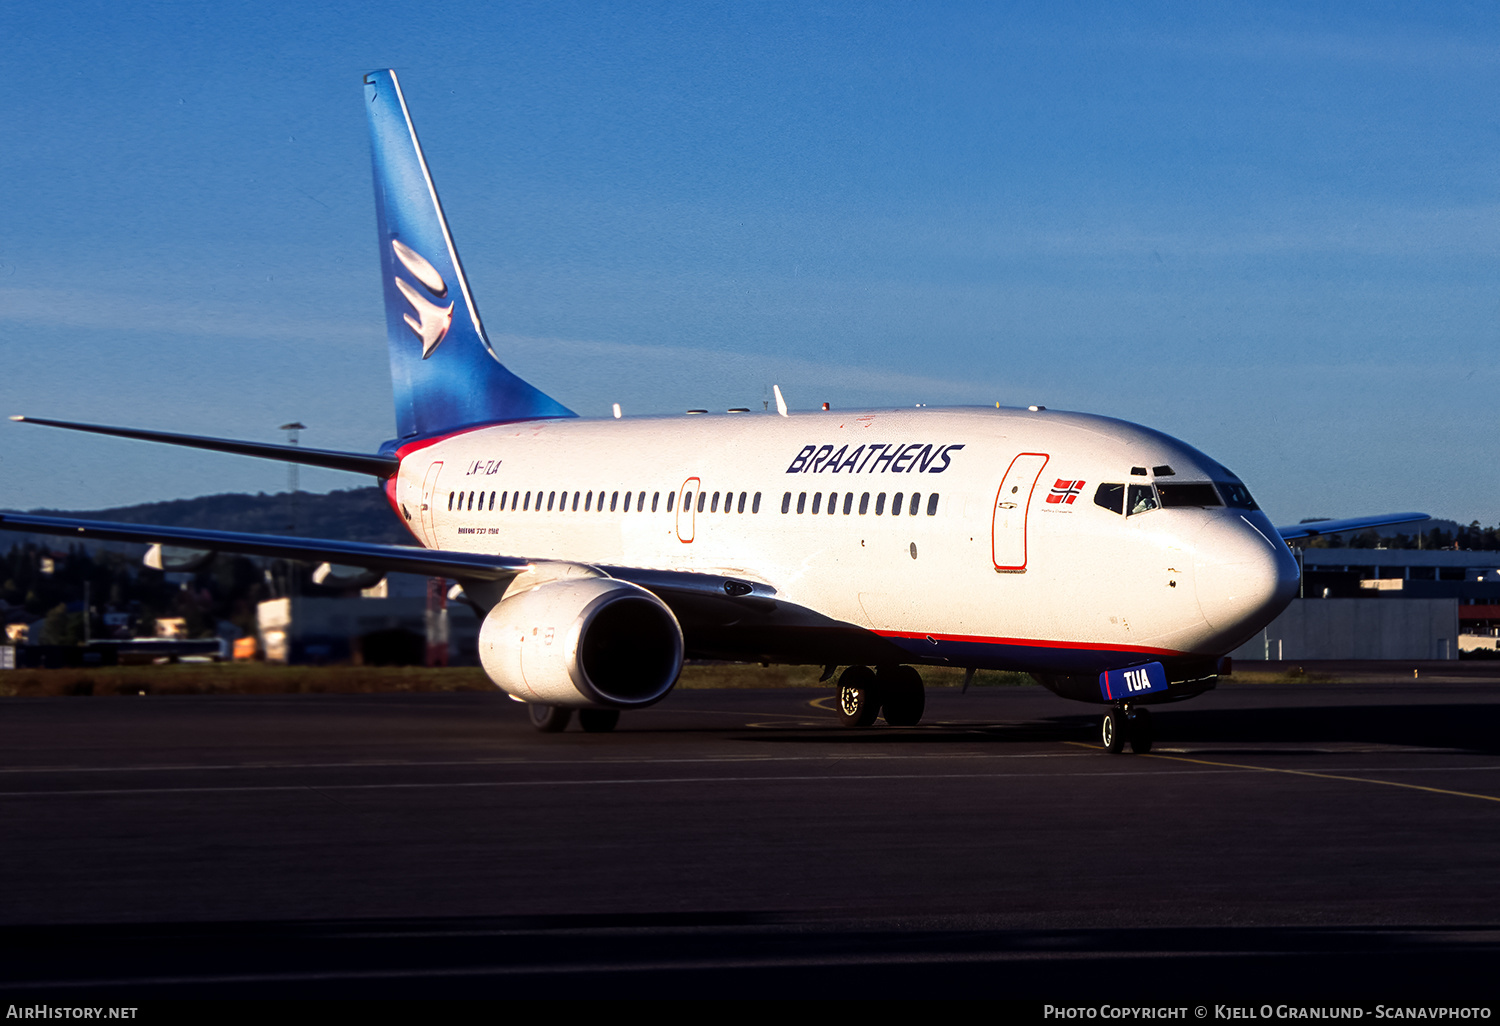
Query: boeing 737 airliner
[(1115, 564)]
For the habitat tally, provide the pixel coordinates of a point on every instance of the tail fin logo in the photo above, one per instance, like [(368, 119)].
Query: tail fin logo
[(432, 322)]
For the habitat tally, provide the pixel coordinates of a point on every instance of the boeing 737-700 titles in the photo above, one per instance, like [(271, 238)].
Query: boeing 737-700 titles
[(1115, 564)]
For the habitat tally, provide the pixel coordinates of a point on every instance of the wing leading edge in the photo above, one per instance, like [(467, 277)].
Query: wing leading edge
[(1315, 528), (718, 599), (390, 558)]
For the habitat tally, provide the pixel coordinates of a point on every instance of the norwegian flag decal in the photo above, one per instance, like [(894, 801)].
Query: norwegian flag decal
[(1065, 492)]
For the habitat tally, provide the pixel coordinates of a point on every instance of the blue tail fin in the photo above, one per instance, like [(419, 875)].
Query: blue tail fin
[(444, 372)]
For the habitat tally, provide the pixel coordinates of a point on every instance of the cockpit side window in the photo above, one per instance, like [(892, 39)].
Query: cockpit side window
[(1111, 497), (1142, 499), (1183, 494), (1236, 495)]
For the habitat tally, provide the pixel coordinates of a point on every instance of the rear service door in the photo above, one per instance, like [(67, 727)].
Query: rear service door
[(686, 513), (1012, 501), (429, 500)]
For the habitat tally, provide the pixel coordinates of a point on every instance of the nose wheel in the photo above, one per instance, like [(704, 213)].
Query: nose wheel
[(1124, 725)]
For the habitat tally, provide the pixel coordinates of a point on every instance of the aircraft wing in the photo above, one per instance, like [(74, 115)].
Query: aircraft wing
[(392, 558), (1316, 527), (712, 597)]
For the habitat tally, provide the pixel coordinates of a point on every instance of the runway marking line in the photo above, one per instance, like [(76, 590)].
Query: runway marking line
[(1305, 773)]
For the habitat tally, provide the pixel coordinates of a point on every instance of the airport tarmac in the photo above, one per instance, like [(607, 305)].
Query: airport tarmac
[(1330, 841)]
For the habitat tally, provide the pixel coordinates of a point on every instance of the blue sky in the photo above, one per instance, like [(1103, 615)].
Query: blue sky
[(1272, 231)]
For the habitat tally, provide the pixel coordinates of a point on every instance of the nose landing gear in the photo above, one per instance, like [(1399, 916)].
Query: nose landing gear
[(1126, 724)]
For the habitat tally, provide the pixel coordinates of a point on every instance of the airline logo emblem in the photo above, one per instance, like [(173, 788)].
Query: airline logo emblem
[(432, 321), (1064, 492)]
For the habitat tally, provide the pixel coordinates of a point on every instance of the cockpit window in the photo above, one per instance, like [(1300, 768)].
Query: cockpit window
[(1142, 499), (1236, 495), (1111, 497), (1183, 494)]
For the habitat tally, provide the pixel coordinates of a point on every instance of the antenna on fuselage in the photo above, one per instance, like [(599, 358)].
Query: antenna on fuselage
[(780, 400), (617, 411)]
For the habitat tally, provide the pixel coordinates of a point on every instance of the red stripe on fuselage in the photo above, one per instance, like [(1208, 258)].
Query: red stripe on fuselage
[(1030, 643)]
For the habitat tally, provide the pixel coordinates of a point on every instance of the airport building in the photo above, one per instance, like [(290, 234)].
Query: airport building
[(402, 620), (1386, 604)]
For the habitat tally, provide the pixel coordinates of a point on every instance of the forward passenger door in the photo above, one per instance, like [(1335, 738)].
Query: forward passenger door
[(1012, 503)]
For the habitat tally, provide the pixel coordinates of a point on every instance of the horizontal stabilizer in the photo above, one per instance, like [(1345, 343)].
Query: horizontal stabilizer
[(356, 462), (1314, 528), (390, 558)]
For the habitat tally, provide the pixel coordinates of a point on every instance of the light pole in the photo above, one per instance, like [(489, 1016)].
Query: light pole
[(292, 468)]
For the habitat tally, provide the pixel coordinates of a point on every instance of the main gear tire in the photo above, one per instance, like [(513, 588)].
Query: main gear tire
[(858, 697), (598, 721), (904, 699), (549, 719)]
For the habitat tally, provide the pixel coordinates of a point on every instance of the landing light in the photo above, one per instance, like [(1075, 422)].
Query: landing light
[(1036, 409)]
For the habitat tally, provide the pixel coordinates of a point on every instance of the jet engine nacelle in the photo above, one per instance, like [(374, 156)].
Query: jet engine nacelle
[(589, 642)]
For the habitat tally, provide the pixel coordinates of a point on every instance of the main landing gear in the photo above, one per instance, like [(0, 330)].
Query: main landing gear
[(864, 694), (553, 719), (1124, 724)]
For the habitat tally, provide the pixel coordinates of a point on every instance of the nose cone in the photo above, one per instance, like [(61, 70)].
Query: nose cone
[(1245, 576)]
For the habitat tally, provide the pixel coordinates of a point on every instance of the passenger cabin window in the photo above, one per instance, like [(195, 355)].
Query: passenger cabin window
[(786, 503), (655, 498), (880, 504), (896, 504), (1142, 499), (1183, 494), (932, 505), (614, 501), (801, 502), (817, 502), (1111, 497), (864, 504), (754, 505)]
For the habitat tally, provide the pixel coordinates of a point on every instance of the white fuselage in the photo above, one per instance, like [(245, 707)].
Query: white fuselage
[(999, 556)]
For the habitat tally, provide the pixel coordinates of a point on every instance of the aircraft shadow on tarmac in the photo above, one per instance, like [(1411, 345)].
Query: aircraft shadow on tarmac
[(1473, 727)]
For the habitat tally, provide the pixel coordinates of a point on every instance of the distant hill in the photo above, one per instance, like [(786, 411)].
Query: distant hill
[(357, 514)]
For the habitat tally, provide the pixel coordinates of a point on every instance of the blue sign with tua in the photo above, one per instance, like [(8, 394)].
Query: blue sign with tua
[(1135, 680)]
